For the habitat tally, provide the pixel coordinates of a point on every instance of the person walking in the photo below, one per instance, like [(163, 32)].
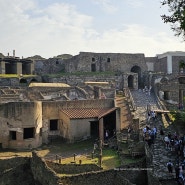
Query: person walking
[(177, 171), (167, 141), (170, 166)]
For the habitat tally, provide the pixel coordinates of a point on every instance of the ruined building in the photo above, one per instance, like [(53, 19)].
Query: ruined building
[(15, 65), (33, 113)]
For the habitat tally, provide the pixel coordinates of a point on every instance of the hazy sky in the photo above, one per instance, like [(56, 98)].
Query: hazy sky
[(53, 27)]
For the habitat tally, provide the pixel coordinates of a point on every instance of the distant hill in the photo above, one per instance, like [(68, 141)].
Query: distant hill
[(36, 57), (64, 56)]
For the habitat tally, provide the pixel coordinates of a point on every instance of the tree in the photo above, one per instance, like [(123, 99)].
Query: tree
[(176, 9), (182, 64)]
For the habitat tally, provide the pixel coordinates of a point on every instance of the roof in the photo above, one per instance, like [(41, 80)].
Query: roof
[(48, 85), (87, 113)]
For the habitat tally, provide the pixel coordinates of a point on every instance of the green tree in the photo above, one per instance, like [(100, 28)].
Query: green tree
[(179, 116), (176, 17)]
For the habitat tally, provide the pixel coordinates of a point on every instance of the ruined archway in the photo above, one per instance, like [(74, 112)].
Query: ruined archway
[(33, 80), (23, 81), (137, 69), (166, 95), (130, 81)]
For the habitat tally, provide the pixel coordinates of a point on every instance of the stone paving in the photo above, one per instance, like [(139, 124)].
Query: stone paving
[(161, 155)]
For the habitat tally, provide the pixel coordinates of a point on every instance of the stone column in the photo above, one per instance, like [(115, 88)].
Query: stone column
[(118, 120), (169, 64), (135, 82), (180, 96), (2, 67), (31, 68), (126, 81), (18, 68), (101, 130)]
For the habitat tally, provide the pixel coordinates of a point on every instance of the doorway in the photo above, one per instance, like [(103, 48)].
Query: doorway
[(94, 126), (137, 69), (130, 81)]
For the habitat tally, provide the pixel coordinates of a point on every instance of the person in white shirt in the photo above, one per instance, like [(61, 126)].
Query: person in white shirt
[(167, 142)]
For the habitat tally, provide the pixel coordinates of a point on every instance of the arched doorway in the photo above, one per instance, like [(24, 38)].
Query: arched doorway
[(130, 81), (33, 80), (166, 95), (93, 67), (23, 82), (137, 69)]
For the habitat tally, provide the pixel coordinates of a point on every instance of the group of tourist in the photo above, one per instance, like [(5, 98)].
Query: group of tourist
[(151, 115), (149, 134), (176, 144), (147, 90), (173, 142)]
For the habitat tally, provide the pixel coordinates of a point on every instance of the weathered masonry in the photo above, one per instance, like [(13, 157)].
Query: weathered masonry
[(15, 65), (30, 124)]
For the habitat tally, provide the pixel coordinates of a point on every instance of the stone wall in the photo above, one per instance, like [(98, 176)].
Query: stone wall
[(46, 175), (42, 172), (49, 66), (175, 63), (16, 81), (80, 79), (105, 62), (152, 180), (100, 103), (9, 81), (13, 162), (72, 168), (18, 118), (150, 61), (161, 65), (110, 177)]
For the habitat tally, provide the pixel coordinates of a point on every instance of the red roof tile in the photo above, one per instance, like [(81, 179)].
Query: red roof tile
[(86, 113)]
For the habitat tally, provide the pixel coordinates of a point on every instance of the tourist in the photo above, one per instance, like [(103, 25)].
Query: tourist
[(149, 114), (161, 133), (106, 135), (177, 170), (170, 166), (172, 142), (155, 131), (153, 115), (167, 141)]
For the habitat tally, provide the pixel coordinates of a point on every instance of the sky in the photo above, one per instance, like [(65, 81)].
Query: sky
[(53, 27)]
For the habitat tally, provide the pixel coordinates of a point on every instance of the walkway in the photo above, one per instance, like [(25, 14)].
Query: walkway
[(161, 155)]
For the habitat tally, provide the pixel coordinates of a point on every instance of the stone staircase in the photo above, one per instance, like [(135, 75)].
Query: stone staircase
[(160, 155), (125, 112)]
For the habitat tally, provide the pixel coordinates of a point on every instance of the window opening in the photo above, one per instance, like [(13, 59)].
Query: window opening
[(13, 135), (29, 133), (53, 124)]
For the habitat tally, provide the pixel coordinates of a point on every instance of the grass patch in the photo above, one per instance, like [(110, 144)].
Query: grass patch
[(15, 76), (110, 159), (66, 151), (105, 73)]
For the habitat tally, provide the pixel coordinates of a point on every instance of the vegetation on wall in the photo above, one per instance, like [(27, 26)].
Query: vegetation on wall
[(106, 73), (182, 64), (178, 116)]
